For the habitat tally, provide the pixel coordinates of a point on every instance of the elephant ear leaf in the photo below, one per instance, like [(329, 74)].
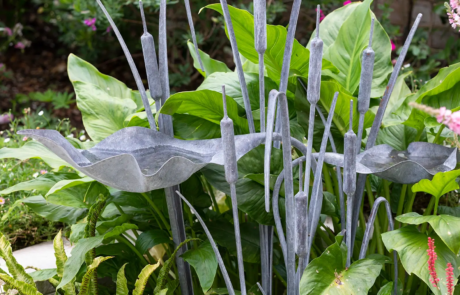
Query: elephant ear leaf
[(61, 258), (161, 282), (122, 283), (141, 281), (22, 287), (15, 269), (84, 289)]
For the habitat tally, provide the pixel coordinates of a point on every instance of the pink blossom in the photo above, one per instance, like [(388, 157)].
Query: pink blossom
[(90, 22), (6, 118), (2, 201), (450, 279), (454, 4), (346, 2), (432, 256), (321, 15), (8, 31), (393, 46), (25, 138), (20, 45), (109, 29), (453, 13), (42, 172)]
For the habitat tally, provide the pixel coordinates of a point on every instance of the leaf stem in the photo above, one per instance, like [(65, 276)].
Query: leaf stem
[(155, 208), (402, 198), (438, 134), (428, 212)]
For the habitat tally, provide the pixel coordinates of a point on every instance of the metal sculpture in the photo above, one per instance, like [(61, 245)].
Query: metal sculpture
[(137, 159)]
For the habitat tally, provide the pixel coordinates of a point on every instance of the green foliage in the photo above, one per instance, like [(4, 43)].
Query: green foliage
[(143, 278), (442, 183), (122, 284), (85, 283), (61, 259), (21, 286), (204, 261), (14, 268)]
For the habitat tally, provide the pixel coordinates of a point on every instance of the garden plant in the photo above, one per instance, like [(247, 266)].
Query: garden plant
[(267, 179)]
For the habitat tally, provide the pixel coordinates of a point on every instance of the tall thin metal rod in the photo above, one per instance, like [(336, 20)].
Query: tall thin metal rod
[(365, 85), (260, 42), (317, 194), (227, 280), (132, 66), (192, 31), (349, 178), (367, 236), (376, 125), (239, 67), (313, 95), (301, 218), (231, 176), (151, 62), (173, 202), (287, 56)]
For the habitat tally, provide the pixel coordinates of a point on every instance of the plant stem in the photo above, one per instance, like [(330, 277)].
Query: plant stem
[(142, 259), (155, 208), (411, 200), (328, 180), (409, 283), (190, 220), (428, 212), (402, 197), (438, 135)]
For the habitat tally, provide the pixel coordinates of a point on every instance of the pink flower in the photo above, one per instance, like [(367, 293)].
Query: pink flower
[(2, 201), (6, 118), (450, 279), (42, 172), (393, 46), (25, 138), (109, 29), (8, 31), (321, 15), (432, 256), (454, 4), (346, 2), (90, 22), (443, 115), (20, 45)]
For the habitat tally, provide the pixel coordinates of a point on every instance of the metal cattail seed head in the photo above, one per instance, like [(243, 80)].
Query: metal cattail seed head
[(316, 60), (260, 25), (150, 59), (367, 69), (301, 212), (349, 168), (228, 141)]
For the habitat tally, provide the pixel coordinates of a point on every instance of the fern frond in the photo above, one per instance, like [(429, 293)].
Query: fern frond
[(15, 269), (85, 282), (122, 283), (23, 287), (143, 278), (161, 281), (61, 258)]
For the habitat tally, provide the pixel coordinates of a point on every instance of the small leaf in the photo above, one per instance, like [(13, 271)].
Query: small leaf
[(84, 288), (210, 65), (150, 239), (442, 183), (53, 212), (42, 184), (15, 269), (122, 283), (22, 287), (43, 274), (447, 227), (143, 278), (388, 289), (204, 261)]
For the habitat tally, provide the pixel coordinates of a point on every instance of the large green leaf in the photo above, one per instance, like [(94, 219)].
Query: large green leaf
[(81, 70), (412, 249), (215, 81), (41, 184), (398, 137), (204, 261), (442, 90), (210, 65), (34, 150), (77, 193), (397, 110), (43, 274), (446, 227), (243, 25), (453, 211), (327, 274), (15, 269), (53, 212), (223, 233), (353, 37), (102, 114), (150, 239), (205, 104), (442, 183)]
